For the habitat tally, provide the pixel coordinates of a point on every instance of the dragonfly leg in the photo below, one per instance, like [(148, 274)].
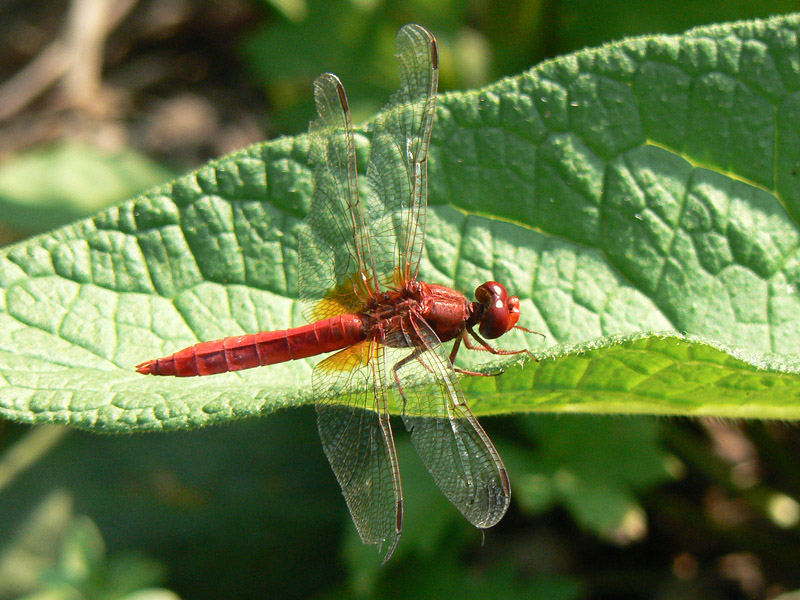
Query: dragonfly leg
[(485, 347), (461, 371), (400, 364), (526, 330), (454, 351)]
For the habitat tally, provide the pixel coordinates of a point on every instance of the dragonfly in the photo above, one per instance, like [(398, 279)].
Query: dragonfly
[(359, 261)]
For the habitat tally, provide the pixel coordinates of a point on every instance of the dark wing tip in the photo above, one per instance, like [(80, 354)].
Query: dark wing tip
[(342, 96)]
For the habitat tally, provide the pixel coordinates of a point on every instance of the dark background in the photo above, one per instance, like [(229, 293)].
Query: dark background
[(603, 507)]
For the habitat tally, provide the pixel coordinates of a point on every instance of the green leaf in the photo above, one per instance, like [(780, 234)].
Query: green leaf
[(641, 198)]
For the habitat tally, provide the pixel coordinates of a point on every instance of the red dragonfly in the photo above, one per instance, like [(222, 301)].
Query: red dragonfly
[(359, 258)]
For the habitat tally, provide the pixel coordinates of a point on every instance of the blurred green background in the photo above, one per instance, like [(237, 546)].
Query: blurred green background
[(102, 99)]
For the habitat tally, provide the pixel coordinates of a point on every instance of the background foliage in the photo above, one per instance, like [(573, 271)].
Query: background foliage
[(612, 507)]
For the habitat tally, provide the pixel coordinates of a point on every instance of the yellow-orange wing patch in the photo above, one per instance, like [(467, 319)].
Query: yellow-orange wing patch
[(351, 358), (348, 297)]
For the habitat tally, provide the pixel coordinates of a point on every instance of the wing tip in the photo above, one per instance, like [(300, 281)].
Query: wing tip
[(392, 547), (430, 40)]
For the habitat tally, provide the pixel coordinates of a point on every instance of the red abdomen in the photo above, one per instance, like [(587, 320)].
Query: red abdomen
[(256, 349)]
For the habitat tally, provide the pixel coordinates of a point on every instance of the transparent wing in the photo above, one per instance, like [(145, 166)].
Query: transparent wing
[(357, 438), (448, 438), (398, 169), (335, 259)]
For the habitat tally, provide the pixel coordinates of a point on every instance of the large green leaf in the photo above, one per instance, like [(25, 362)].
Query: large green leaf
[(647, 187)]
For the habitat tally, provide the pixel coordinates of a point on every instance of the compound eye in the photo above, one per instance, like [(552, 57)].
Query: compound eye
[(495, 320), (486, 293), (501, 313)]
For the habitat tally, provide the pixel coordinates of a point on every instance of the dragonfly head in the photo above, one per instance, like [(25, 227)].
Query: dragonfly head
[(499, 313)]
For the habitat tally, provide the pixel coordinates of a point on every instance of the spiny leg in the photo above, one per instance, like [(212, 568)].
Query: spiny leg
[(454, 351), (526, 330), (485, 347), (399, 365)]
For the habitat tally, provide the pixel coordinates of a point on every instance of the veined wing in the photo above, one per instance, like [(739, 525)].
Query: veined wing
[(398, 165), (357, 438), (336, 268), (448, 438)]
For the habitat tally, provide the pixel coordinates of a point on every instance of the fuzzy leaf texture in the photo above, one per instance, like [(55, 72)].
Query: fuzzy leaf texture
[(641, 198)]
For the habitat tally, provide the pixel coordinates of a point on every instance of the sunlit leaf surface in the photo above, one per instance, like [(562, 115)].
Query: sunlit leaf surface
[(641, 198)]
